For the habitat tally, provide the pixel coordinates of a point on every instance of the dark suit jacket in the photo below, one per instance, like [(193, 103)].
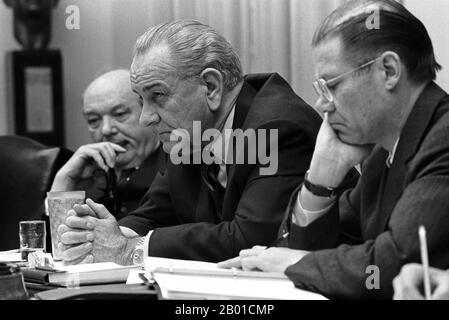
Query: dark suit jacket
[(125, 194), (178, 206), (377, 222)]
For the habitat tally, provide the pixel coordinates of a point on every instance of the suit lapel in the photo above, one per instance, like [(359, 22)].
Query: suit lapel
[(243, 103), (242, 106), (409, 141)]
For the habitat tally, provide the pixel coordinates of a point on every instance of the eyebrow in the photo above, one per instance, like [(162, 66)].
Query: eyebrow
[(156, 84), (114, 108), (118, 106)]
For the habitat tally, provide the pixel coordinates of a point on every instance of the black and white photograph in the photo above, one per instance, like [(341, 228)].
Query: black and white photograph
[(224, 158)]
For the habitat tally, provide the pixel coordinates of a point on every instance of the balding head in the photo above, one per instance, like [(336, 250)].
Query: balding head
[(112, 111), (111, 82)]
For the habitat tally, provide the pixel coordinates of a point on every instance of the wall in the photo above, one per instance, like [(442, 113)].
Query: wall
[(85, 52), (434, 14), (7, 43), (109, 29)]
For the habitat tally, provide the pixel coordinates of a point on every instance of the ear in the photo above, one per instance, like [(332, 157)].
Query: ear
[(392, 68), (213, 80)]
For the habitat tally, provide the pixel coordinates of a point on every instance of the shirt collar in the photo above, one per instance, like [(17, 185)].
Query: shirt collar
[(392, 153), (221, 142)]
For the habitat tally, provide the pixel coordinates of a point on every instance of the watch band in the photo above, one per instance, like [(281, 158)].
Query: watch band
[(138, 253), (319, 190)]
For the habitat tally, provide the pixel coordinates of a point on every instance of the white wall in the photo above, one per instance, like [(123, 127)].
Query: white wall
[(434, 14), (85, 52)]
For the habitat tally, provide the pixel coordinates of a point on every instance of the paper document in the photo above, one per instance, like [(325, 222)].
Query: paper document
[(185, 279)]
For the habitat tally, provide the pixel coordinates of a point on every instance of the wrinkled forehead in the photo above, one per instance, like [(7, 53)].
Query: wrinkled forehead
[(103, 99), (156, 60)]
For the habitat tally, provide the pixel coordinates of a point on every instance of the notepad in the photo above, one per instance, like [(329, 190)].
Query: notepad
[(185, 279), (78, 275)]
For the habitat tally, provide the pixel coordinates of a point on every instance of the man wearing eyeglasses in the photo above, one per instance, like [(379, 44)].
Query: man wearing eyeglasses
[(381, 110)]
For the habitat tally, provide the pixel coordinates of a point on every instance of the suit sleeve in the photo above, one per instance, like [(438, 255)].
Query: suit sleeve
[(343, 272), (158, 201), (259, 211)]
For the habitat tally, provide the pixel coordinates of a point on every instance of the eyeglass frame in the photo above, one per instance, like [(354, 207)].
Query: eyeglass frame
[(321, 85)]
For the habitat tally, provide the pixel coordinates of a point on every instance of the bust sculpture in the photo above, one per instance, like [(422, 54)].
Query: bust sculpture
[(32, 22)]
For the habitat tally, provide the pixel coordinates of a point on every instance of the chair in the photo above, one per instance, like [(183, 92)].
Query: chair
[(27, 170)]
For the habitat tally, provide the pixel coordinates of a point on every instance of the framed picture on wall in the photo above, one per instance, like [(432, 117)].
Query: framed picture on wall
[(36, 91)]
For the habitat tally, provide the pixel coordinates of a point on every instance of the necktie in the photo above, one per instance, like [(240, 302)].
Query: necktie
[(209, 174)]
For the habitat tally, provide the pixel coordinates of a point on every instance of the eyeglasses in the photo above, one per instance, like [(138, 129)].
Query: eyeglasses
[(321, 86)]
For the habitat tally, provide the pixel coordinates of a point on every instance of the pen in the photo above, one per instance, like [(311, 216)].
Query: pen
[(425, 261)]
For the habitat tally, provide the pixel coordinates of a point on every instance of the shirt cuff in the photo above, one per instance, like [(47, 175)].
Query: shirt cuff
[(146, 244), (46, 207), (303, 217)]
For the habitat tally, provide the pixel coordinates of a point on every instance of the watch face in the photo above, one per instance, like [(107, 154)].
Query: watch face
[(138, 256)]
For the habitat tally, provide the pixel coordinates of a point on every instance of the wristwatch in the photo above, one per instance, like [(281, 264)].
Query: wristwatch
[(319, 190), (138, 252)]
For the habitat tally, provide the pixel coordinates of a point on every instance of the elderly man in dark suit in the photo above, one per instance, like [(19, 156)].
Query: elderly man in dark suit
[(375, 87), (187, 74), (116, 169)]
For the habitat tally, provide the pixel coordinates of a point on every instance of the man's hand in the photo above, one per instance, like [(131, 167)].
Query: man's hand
[(409, 284), (91, 234), (84, 162), (332, 158), (264, 259)]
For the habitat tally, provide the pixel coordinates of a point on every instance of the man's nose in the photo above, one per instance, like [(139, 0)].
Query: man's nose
[(148, 116), (323, 105), (108, 127)]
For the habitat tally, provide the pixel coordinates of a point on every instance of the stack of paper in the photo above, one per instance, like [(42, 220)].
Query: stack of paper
[(184, 279)]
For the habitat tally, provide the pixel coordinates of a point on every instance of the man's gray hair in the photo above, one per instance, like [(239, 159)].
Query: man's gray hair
[(193, 47)]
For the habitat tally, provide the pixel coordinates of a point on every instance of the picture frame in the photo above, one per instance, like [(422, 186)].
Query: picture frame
[(36, 107)]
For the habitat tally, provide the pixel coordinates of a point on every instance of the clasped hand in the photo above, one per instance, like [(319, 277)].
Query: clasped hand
[(91, 234)]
